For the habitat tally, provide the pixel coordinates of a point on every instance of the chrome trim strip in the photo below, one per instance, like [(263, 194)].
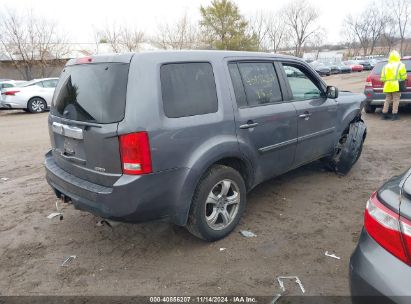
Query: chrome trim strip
[(316, 134), (278, 146), (67, 131)]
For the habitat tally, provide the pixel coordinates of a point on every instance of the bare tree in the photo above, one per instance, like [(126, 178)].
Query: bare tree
[(30, 41), (121, 38), (389, 37), (182, 34), (278, 31), (401, 10), (368, 27), (302, 18), (258, 26), (131, 39), (111, 33)]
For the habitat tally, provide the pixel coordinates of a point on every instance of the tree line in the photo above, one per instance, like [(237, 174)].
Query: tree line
[(28, 39)]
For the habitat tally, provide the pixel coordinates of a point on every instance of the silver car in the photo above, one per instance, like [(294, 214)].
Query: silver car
[(33, 96)]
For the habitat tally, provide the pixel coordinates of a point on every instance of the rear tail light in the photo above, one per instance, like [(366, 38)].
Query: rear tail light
[(10, 93), (368, 82), (135, 153), (386, 228)]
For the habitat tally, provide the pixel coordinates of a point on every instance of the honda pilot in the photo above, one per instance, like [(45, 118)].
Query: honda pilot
[(184, 136)]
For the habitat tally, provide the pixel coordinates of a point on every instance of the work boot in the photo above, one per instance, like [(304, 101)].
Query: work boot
[(385, 116), (395, 117)]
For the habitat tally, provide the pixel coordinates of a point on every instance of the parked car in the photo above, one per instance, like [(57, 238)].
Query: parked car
[(367, 66), (187, 141), (4, 84), (355, 67), (321, 68), (33, 96), (10, 83), (380, 267), (374, 88), (344, 68), (334, 68)]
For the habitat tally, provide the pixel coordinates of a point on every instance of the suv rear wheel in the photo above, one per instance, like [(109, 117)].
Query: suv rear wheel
[(218, 203), (36, 105)]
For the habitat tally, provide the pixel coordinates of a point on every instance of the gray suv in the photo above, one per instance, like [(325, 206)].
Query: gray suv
[(185, 135)]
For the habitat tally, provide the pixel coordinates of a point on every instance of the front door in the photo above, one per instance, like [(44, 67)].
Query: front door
[(316, 114), (266, 125)]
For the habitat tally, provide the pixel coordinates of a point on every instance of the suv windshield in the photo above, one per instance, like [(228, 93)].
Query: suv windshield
[(92, 92)]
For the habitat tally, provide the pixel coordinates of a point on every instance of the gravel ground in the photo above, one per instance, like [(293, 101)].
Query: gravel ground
[(297, 217)]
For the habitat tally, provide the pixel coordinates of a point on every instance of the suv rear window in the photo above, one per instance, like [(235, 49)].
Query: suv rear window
[(378, 68), (92, 92), (188, 89)]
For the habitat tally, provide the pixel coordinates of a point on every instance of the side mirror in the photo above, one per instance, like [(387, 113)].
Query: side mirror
[(332, 92)]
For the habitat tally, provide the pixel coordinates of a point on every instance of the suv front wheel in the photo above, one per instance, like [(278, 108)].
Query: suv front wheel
[(218, 203)]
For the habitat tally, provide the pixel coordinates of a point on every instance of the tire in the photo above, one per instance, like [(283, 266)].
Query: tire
[(369, 109), (348, 150), (218, 203), (36, 105)]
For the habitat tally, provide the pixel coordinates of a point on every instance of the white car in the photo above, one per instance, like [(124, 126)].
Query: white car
[(33, 96)]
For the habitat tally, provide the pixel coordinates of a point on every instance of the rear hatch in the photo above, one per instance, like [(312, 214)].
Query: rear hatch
[(88, 103)]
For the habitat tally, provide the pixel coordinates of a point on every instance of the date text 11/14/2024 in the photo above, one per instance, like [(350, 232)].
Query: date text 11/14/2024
[(203, 299)]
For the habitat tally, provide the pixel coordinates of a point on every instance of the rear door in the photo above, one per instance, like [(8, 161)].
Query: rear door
[(407, 94), (88, 103), (266, 125), (316, 114)]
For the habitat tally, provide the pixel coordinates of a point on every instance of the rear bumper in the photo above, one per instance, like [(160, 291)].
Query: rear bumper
[(131, 198), (374, 272), (12, 103), (378, 98)]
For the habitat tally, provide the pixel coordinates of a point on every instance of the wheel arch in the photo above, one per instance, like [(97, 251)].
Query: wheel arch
[(230, 159)]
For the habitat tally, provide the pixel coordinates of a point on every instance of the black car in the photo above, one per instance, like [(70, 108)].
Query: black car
[(366, 64), (321, 68), (380, 266), (344, 69)]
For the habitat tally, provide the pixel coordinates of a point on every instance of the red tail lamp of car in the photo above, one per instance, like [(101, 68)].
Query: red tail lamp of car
[(135, 153), (388, 229)]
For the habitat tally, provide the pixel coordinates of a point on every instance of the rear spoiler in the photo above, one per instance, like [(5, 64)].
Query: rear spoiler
[(114, 58)]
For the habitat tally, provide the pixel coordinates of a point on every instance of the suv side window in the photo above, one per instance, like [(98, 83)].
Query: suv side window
[(301, 85), (260, 82), (188, 89)]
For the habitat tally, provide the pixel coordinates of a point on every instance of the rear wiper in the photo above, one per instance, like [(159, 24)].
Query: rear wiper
[(80, 123)]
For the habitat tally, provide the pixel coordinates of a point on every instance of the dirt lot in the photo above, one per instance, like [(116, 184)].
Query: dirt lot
[(296, 217)]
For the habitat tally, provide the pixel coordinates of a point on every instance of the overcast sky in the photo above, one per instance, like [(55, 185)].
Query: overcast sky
[(77, 18)]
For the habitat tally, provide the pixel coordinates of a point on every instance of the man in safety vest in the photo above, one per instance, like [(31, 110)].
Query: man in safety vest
[(393, 72)]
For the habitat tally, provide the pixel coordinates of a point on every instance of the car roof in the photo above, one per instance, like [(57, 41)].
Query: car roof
[(165, 56)]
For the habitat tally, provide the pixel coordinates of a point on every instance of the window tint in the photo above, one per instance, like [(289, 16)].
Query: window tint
[(92, 92), (7, 85), (188, 89), (260, 83), (237, 85), (301, 85)]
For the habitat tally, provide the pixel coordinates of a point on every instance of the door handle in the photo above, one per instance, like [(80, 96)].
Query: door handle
[(249, 125), (306, 115)]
